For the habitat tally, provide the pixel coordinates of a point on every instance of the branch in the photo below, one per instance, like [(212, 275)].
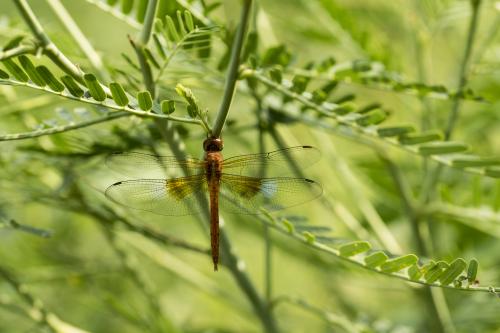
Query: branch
[(232, 74), (62, 128), (107, 103)]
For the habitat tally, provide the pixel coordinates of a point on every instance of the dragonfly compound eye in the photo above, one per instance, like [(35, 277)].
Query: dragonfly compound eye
[(213, 144)]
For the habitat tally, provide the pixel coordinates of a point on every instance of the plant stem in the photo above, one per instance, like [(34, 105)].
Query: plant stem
[(19, 50), (232, 74), (462, 78), (432, 177), (48, 47), (141, 43), (63, 128), (113, 106)]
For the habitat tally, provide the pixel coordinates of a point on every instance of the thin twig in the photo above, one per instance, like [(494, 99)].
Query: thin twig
[(232, 74), (62, 128)]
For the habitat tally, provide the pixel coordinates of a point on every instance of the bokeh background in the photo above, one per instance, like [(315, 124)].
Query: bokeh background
[(101, 278)]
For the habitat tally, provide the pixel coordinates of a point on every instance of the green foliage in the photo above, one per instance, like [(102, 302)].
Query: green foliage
[(403, 109)]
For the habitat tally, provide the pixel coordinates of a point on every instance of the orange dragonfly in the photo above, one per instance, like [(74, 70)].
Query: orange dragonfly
[(234, 184)]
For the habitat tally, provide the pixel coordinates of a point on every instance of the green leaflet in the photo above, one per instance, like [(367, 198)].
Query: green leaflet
[(345, 108), (310, 238), (475, 161), (151, 58), (395, 130), (472, 270), (180, 21), (414, 272), (73, 87), (127, 6), (413, 139), (145, 101), (118, 94), (140, 12), (453, 271), (15, 70), (376, 259), (50, 79), (95, 88), (439, 148), (172, 31), (3, 75), (399, 263), (372, 118), (31, 71), (276, 74), (188, 18), (353, 248), (167, 106), (435, 271)]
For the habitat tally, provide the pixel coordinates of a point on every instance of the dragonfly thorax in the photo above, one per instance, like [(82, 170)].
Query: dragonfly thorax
[(213, 165)]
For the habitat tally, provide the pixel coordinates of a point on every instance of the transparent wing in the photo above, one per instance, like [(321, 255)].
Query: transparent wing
[(277, 162), (173, 197), (142, 165), (246, 195)]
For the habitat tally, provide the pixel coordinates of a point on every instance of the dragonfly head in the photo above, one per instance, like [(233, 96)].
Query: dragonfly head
[(213, 144)]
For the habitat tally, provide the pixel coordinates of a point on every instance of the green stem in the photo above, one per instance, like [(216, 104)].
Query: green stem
[(141, 43), (63, 128), (19, 50), (113, 106), (149, 19), (232, 74), (462, 78)]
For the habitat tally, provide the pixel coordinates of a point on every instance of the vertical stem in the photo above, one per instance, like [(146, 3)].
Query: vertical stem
[(232, 74), (436, 297), (149, 19), (462, 78), (141, 43)]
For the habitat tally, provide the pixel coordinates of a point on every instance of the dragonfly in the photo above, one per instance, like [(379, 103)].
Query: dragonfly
[(235, 185)]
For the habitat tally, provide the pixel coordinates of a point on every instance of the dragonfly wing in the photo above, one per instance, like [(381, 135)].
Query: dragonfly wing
[(279, 162), (246, 195), (172, 197), (142, 165)]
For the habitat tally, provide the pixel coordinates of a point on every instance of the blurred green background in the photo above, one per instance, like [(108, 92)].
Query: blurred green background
[(104, 279)]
